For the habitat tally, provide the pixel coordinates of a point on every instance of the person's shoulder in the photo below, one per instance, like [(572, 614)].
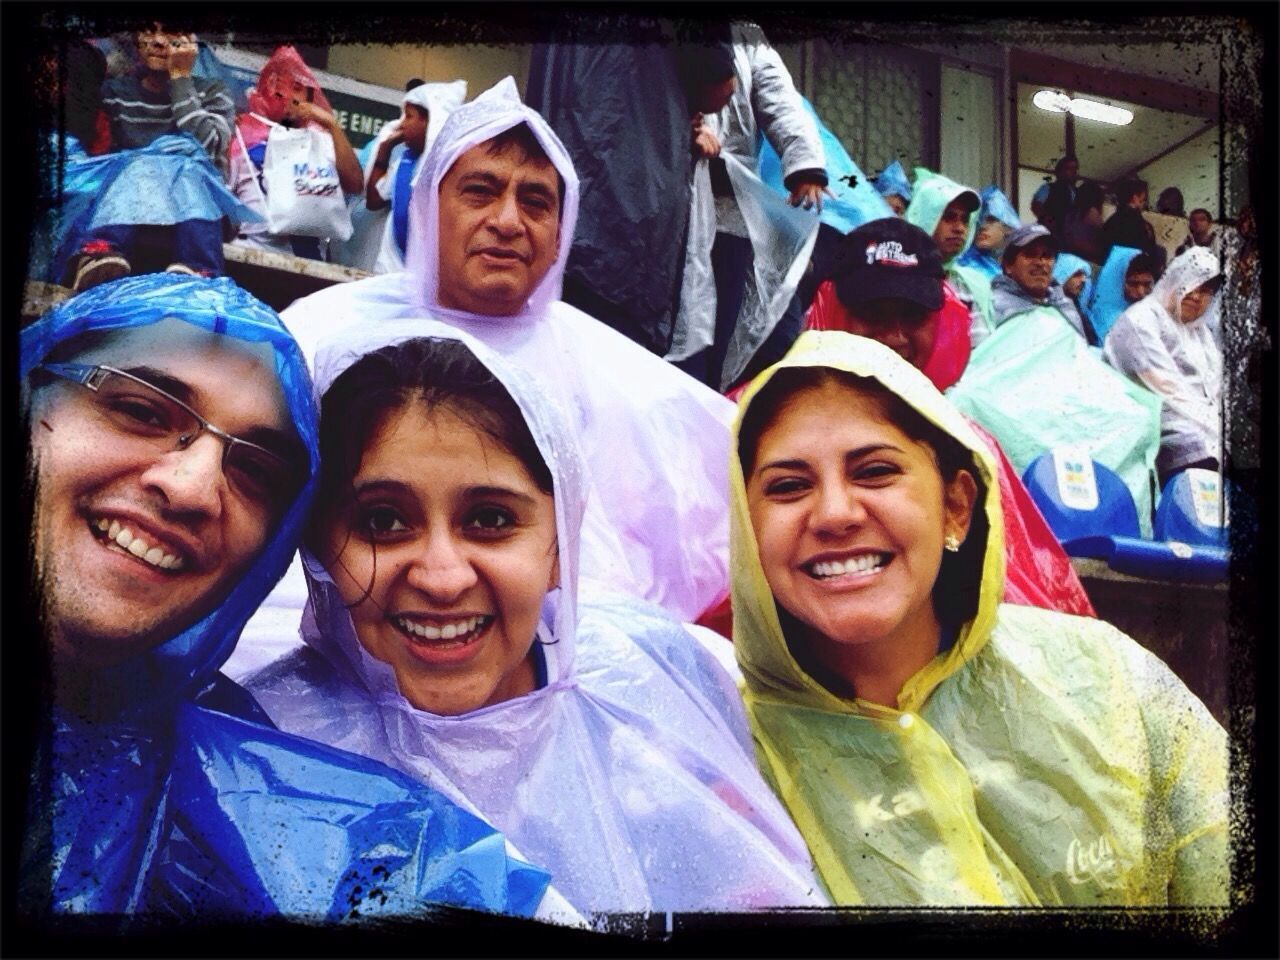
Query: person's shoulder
[(1056, 644), (117, 87)]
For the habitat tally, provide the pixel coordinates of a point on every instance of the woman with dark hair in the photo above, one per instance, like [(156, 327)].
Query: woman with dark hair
[(957, 751), (444, 636)]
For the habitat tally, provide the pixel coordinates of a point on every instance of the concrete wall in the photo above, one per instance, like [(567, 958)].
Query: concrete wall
[(1193, 169), (392, 64)]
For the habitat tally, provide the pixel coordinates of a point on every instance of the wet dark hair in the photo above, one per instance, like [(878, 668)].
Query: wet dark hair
[(1126, 190), (434, 372), (1199, 210), (1089, 195), (522, 137), (1142, 263), (955, 592)]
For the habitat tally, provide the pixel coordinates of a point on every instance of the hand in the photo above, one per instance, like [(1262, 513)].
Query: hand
[(302, 112), (705, 144), (809, 195), (182, 56), (392, 134)]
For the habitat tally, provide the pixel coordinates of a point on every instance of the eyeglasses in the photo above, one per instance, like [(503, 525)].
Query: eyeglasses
[(138, 410)]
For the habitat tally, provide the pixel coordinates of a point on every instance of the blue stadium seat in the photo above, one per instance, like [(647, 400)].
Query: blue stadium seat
[(1091, 512), (1189, 509)]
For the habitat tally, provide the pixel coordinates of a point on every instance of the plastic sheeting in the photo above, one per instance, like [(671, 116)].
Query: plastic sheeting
[(1108, 301), (1034, 384), (1179, 361), (657, 529), (782, 238), (164, 802), (893, 179), (1041, 759), (622, 116), (855, 202), (169, 181), (628, 775), (933, 192)]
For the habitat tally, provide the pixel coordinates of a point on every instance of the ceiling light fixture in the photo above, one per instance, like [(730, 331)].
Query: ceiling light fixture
[(1055, 101)]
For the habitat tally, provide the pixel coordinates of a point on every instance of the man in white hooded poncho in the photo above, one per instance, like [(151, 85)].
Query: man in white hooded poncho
[(1164, 344), (626, 772), (655, 440)]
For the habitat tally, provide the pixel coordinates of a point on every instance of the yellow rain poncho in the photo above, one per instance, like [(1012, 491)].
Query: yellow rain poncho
[(1043, 759)]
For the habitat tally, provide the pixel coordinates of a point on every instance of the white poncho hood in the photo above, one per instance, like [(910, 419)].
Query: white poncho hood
[(629, 775)]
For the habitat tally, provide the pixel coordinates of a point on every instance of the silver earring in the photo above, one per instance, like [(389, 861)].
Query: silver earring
[(951, 542)]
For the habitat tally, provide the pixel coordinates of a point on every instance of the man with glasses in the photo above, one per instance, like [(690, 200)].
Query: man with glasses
[(173, 449)]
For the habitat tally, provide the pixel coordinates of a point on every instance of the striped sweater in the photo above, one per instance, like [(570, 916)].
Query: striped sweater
[(201, 108)]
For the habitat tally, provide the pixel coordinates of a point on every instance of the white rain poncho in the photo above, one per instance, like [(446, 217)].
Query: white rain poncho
[(765, 104), (629, 776), (656, 441), (1178, 361)]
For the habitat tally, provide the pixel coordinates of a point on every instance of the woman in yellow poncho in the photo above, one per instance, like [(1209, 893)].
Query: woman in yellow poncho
[(936, 747)]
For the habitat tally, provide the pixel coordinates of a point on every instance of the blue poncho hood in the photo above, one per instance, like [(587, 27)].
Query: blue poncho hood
[(1106, 301), (177, 669), (893, 179)]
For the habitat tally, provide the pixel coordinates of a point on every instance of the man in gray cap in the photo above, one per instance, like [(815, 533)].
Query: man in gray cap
[(1027, 281)]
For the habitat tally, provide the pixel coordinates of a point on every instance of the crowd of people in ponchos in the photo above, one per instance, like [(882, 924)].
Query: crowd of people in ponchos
[(465, 582)]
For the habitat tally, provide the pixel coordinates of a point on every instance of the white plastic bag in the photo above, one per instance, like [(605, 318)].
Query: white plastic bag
[(303, 195)]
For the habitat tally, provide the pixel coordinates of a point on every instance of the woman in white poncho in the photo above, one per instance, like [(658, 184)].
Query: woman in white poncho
[(1164, 341), (445, 637)]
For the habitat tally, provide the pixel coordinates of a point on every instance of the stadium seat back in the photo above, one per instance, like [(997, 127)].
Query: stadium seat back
[(1079, 497), (1191, 509)]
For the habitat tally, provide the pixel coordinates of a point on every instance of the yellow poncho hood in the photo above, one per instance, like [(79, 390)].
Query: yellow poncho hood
[(1041, 759), (762, 651)]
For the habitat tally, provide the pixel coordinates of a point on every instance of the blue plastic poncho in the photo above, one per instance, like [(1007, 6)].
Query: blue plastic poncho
[(995, 206), (164, 802), (856, 201), (628, 774), (1066, 266), (1107, 300), (171, 180), (893, 179)]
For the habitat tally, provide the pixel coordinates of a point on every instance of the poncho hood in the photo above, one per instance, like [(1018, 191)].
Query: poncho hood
[(933, 192), (327, 624), (177, 669), (495, 111), (439, 100), (1107, 300), (996, 205), (627, 775), (1192, 269), (893, 180), (771, 671), (283, 68)]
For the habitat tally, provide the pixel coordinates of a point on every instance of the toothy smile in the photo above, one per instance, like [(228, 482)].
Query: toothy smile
[(136, 544), (458, 631), (863, 563)]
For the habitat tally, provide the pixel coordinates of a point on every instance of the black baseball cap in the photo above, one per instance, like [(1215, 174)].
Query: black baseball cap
[(888, 258)]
